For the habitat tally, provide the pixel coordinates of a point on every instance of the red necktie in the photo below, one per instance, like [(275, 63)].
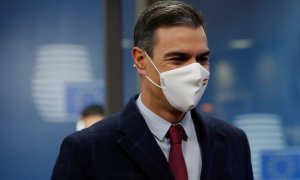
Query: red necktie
[(176, 160)]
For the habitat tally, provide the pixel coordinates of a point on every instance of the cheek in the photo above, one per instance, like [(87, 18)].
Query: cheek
[(152, 74), (170, 66)]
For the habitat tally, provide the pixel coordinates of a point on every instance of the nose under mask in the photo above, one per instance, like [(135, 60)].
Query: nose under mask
[(183, 87)]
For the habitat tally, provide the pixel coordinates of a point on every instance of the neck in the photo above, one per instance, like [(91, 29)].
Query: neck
[(160, 107)]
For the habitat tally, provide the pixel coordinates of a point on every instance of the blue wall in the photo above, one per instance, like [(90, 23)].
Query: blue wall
[(29, 145), (265, 75)]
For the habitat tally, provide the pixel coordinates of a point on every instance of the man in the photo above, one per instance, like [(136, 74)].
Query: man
[(158, 135), (89, 116)]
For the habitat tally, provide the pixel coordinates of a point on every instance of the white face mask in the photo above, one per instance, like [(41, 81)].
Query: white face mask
[(184, 86)]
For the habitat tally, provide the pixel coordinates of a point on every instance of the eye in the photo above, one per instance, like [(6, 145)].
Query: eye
[(203, 60), (178, 59)]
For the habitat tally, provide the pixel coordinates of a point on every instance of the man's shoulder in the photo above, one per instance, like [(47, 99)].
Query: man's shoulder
[(214, 121), (109, 128), (220, 126), (106, 128)]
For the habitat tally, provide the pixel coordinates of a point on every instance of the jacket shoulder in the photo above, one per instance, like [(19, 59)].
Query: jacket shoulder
[(221, 126)]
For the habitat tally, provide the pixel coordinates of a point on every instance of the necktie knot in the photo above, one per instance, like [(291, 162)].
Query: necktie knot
[(176, 134)]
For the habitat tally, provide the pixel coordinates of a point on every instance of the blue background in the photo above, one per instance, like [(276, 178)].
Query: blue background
[(80, 95), (281, 164)]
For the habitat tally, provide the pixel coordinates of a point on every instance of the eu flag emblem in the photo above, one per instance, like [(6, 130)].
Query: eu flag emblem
[(80, 95), (281, 164)]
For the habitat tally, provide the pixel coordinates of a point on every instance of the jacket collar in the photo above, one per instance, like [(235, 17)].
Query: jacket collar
[(138, 142), (213, 141)]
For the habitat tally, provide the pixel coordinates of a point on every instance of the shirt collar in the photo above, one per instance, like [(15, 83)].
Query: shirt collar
[(159, 126)]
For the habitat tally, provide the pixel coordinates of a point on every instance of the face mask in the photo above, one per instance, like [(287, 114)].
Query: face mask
[(184, 86)]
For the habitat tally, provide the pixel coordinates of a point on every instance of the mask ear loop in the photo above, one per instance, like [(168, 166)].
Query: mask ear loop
[(153, 82), (154, 68), (151, 62)]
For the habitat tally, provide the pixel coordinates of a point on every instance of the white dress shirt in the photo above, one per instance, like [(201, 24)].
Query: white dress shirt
[(190, 146)]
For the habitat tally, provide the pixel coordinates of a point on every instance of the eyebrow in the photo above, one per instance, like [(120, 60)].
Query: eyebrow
[(182, 54), (206, 53), (175, 53)]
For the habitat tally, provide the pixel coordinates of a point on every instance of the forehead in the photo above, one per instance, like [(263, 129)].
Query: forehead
[(180, 38)]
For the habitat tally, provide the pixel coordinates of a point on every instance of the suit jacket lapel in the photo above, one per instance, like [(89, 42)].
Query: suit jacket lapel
[(206, 136), (212, 143), (138, 142)]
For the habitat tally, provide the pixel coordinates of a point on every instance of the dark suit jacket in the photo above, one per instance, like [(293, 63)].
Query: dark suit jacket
[(122, 147)]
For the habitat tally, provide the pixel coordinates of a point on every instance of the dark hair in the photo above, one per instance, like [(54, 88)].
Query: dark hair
[(163, 14), (93, 109)]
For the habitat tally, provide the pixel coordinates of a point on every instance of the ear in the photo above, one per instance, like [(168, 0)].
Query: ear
[(139, 59)]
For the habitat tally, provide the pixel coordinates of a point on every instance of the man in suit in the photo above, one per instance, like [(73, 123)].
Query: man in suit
[(158, 135)]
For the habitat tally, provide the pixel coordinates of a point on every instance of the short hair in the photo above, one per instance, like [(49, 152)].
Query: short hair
[(94, 109), (163, 14)]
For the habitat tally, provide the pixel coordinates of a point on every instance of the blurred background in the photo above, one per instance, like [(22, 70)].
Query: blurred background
[(55, 58)]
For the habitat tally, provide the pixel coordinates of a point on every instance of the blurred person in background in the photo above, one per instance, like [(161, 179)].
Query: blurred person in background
[(89, 116), (159, 135)]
